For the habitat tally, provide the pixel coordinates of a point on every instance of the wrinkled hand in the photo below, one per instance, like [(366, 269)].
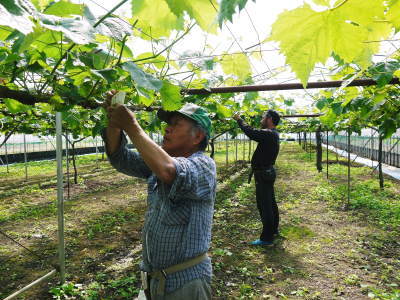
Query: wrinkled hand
[(236, 116), (119, 116)]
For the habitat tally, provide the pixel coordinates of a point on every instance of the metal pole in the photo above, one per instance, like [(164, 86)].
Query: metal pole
[(327, 154), (25, 160), (60, 200), (236, 149), (282, 87), (348, 169), (41, 279), (5, 147), (244, 148), (226, 149)]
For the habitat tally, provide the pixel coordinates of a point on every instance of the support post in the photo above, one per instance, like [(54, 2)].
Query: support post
[(25, 160), (327, 154), (5, 147), (236, 149), (226, 149), (348, 169), (319, 150), (380, 161), (60, 200)]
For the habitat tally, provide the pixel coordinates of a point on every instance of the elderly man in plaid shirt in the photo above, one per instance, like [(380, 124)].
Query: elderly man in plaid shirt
[(181, 192)]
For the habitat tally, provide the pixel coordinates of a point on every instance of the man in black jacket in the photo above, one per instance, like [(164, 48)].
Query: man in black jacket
[(262, 164)]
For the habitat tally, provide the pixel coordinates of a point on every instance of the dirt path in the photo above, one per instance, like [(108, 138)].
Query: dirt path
[(323, 252)]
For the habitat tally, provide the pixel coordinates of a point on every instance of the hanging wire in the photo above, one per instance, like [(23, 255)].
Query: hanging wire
[(44, 260)]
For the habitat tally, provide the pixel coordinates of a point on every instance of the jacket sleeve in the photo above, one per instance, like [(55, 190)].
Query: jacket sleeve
[(257, 135)]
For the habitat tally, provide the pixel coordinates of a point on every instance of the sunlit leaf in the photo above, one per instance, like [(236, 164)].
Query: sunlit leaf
[(393, 15), (155, 18), (236, 64), (171, 96), (80, 31), (203, 11), (14, 16), (141, 78), (15, 106), (64, 8), (308, 37), (228, 9)]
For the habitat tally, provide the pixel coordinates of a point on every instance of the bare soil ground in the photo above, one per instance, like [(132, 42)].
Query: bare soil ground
[(323, 251)]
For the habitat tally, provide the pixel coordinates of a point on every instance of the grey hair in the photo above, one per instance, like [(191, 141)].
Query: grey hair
[(195, 129)]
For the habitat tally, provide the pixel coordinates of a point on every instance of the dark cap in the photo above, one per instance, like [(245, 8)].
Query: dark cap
[(273, 114)]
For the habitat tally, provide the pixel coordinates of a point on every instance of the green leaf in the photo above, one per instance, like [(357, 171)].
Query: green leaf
[(114, 28), (26, 41), (64, 8), (223, 111), (110, 75), (171, 96), (337, 108), (308, 37), (236, 64), (155, 18), (203, 11), (147, 101), (322, 2), (141, 78), (15, 106), (228, 9), (41, 4), (13, 7), (321, 103), (388, 128), (12, 15), (393, 15), (383, 72), (80, 31)]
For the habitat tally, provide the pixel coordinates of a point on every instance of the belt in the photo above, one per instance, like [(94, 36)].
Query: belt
[(161, 275), (252, 170)]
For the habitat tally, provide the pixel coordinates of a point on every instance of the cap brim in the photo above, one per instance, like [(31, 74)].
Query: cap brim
[(164, 115)]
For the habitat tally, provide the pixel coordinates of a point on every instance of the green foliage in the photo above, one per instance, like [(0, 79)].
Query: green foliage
[(308, 37), (228, 9)]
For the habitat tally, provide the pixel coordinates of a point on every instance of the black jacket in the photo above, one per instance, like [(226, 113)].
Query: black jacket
[(268, 145)]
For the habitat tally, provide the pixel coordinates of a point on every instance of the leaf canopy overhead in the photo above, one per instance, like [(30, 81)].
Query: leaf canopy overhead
[(60, 53)]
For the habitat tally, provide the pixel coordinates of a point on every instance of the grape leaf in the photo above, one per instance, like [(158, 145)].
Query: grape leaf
[(64, 8), (80, 31), (236, 64), (15, 17), (155, 18), (322, 2), (15, 106), (308, 37), (228, 9), (203, 11), (393, 14), (171, 96), (141, 78)]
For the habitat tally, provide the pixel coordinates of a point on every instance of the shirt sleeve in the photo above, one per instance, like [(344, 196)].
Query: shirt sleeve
[(195, 179), (127, 161), (257, 135)]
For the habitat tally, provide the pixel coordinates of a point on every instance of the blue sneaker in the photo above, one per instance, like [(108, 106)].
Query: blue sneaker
[(259, 242)]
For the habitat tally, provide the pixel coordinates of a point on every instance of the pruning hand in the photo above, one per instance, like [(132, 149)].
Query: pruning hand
[(119, 116)]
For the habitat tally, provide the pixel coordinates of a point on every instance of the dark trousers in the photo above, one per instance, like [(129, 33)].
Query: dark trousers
[(266, 203)]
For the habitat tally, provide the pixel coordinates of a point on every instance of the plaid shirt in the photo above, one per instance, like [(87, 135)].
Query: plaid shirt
[(179, 216)]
